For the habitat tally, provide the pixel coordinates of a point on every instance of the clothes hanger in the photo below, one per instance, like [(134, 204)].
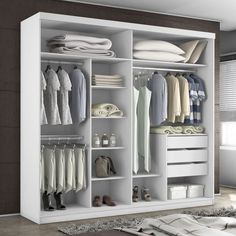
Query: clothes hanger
[(48, 68), (168, 73), (59, 68), (155, 72)]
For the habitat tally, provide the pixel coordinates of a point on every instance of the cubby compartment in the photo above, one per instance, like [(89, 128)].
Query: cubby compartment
[(121, 39), (155, 187), (118, 189)]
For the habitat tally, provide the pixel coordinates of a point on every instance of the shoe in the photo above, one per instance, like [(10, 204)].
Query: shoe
[(97, 201), (47, 202), (58, 198), (108, 201), (145, 194), (135, 197)]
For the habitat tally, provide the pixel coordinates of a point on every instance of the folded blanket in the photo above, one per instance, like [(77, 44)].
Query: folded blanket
[(185, 225), (166, 129), (96, 76), (83, 52), (111, 109), (190, 129), (70, 40)]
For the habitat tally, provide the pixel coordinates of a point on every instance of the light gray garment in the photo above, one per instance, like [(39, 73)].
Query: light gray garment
[(42, 174), (43, 118), (53, 85), (70, 169), (80, 169), (49, 170), (158, 110), (144, 126), (78, 96), (65, 87), (60, 169), (135, 131)]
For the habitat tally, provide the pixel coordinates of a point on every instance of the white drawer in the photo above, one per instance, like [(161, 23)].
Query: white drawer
[(187, 142), (186, 170), (180, 156)]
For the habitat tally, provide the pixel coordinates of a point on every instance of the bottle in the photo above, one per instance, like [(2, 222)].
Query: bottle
[(105, 141), (112, 140), (96, 140)]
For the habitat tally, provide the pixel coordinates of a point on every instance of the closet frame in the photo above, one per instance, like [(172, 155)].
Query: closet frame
[(41, 26)]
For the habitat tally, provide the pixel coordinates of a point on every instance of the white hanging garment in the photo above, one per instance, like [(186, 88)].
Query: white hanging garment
[(70, 169), (43, 118), (144, 126), (53, 85), (80, 169), (50, 170), (42, 174), (60, 169), (78, 96), (135, 131), (65, 87)]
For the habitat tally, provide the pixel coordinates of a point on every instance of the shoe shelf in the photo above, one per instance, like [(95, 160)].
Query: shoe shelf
[(107, 148), (145, 175), (108, 178)]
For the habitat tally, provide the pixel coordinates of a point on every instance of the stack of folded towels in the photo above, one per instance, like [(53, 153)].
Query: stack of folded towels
[(81, 45), (107, 80), (158, 50), (106, 110), (167, 129)]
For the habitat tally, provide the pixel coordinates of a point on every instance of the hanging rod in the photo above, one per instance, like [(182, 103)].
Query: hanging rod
[(63, 62), (162, 69), (61, 137)]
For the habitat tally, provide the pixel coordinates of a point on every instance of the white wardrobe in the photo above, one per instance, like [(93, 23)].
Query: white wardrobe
[(35, 31)]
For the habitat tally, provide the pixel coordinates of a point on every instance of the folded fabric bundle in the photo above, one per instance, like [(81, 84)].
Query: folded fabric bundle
[(81, 45), (106, 110), (166, 129), (190, 129), (109, 80)]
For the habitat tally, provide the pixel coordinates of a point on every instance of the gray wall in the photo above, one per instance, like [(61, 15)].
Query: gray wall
[(227, 41)]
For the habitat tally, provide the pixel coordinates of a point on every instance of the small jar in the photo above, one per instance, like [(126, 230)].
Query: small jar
[(113, 140), (96, 140), (105, 141)]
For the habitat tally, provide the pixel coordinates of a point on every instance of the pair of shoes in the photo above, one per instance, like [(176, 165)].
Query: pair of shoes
[(97, 201), (47, 202), (145, 194)]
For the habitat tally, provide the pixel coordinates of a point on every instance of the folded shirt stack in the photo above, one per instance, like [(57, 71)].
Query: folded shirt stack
[(106, 110), (81, 45), (107, 80), (158, 50), (167, 129)]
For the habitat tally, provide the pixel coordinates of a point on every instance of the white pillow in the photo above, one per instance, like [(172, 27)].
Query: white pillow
[(157, 45), (197, 52), (158, 56), (189, 47)]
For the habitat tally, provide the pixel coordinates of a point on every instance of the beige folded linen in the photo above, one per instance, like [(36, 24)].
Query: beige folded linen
[(96, 76), (166, 129), (190, 129), (82, 40), (112, 110), (83, 52)]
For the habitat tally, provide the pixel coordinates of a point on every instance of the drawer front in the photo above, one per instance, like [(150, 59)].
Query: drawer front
[(187, 142), (180, 156), (182, 170)]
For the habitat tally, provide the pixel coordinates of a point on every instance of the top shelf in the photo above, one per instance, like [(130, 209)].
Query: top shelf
[(49, 56), (163, 64)]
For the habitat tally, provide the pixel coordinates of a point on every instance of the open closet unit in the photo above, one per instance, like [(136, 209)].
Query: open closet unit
[(174, 158)]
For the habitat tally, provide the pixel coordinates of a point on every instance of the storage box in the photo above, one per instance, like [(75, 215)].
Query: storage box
[(176, 191), (195, 190)]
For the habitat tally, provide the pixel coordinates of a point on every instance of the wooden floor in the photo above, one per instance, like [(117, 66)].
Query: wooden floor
[(18, 226)]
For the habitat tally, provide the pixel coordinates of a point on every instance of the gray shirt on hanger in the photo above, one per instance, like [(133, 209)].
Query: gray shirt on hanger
[(78, 99), (158, 109)]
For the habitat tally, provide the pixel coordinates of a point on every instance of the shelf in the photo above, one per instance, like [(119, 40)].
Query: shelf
[(108, 178), (75, 58), (107, 148), (112, 117), (198, 199), (107, 87), (145, 175), (163, 64), (144, 203)]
